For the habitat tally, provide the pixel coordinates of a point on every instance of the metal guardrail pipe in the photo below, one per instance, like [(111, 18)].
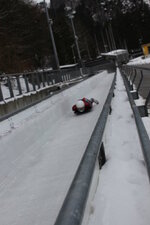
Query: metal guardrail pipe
[(137, 67), (26, 83), (140, 69), (10, 87), (26, 107), (19, 85), (39, 79), (1, 94), (74, 204), (144, 139)]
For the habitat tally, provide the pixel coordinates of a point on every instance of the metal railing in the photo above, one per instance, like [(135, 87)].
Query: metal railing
[(19, 84), (22, 83), (74, 204), (143, 136), (139, 78)]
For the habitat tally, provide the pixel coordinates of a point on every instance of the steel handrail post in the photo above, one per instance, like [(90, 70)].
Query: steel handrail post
[(140, 82), (38, 80), (26, 83), (10, 87), (134, 76), (43, 78), (1, 94), (130, 80), (33, 81), (19, 85), (46, 77)]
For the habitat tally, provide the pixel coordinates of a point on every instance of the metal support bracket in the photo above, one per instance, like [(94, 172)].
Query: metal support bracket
[(101, 156), (134, 94), (142, 110)]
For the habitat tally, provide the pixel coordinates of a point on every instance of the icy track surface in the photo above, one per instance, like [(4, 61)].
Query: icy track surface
[(40, 150), (123, 192)]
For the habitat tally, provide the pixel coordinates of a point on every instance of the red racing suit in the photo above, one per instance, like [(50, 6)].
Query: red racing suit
[(87, 105)]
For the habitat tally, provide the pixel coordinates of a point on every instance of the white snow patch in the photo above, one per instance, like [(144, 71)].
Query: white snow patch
[(139, 61), (140, 101)]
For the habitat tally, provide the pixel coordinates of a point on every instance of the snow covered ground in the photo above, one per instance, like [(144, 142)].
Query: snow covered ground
[(139, 61), (123, 191), (40, 151)]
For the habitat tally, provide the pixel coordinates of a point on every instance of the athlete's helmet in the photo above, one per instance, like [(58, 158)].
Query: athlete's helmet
[(80, 105)]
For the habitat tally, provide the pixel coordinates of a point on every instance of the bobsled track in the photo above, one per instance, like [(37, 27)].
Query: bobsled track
[(41, 149)]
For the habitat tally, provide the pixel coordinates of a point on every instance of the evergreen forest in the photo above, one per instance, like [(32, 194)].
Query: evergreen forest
[(100, 26)]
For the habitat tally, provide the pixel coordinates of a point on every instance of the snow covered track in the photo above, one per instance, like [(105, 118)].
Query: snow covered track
[(40, 150)]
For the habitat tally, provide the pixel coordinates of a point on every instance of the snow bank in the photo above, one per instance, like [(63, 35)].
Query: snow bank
[(139, 61)]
